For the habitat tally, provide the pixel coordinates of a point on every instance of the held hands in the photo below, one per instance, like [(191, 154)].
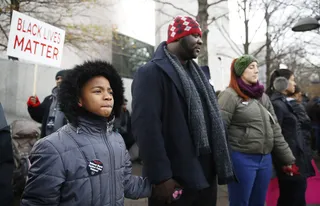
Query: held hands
[(165, 190), (291, 170)]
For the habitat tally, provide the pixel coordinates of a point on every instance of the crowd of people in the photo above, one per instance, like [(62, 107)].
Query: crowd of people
[(188, 137)]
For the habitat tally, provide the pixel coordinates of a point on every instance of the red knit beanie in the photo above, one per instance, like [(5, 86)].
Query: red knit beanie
[(182, 26)]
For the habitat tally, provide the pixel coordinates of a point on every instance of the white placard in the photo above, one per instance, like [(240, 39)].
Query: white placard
[(34, 40)]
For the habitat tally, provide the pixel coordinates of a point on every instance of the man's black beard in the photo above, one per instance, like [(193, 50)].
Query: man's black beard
[(186, 49)]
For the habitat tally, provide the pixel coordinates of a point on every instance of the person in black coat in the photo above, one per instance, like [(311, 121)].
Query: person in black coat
[(177, 123), (293, 125), (48, 113), (123, 125), (296, 103), (6, 162), (313, 110)]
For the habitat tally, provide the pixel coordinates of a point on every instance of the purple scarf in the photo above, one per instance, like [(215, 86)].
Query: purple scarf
[(254, 91)]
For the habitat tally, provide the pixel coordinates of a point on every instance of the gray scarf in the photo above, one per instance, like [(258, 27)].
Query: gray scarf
[(196, 119)]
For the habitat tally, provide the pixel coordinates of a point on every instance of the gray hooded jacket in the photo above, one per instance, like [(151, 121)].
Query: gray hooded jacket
[(60, 173)]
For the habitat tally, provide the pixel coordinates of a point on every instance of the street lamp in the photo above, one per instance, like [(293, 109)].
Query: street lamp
[(307, 24)]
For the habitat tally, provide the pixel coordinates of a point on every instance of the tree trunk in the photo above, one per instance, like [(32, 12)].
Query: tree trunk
[(268, 49), (246, 43), (246, 28), (202, 18), (14, 5)]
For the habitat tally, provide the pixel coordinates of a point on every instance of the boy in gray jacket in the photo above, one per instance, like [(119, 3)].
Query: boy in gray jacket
[(85, 162)]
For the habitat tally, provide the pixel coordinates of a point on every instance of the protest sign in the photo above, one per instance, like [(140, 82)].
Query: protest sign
[(36, 41)]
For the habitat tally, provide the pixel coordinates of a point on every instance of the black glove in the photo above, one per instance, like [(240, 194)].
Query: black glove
[(164, 190)]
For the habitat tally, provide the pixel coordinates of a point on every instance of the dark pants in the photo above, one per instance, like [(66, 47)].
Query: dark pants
[(205, 197), (254, 173), (292, 191), (316, 129)]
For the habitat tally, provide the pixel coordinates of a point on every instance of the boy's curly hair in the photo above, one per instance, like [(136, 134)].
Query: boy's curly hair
[(76, 78)]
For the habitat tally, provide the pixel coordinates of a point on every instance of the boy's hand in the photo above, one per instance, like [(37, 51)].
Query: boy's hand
[(164, 190)]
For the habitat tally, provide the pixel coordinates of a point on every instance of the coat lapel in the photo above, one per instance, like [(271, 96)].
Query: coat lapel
[(168, 68), (163, 62)]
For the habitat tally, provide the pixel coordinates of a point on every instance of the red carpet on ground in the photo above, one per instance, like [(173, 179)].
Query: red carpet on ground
[(312, 194)]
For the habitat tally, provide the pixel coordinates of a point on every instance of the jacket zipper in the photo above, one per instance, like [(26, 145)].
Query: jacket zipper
[(264, 124), (112, 163)]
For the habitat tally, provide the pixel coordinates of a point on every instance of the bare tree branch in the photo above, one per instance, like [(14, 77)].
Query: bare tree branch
[(174, 6), (164, 23), (256, 31), (216, 18), (225, 55), (240, 6), (4, 32), (4, 46), (231, 43), (215, 3), (256, 52), (165, 13)]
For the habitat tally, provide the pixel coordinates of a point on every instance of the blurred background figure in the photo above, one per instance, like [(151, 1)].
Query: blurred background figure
[(313, 110), (6, 162), (123, 126), (48, 112)]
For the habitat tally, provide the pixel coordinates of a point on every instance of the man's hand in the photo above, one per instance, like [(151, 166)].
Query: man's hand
[(33, 99), (164, 190), (291, 170)]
